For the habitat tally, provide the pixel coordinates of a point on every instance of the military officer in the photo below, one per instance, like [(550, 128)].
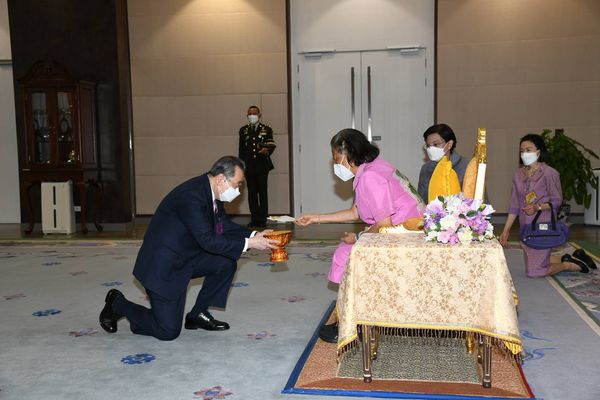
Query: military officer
[(256, 147)]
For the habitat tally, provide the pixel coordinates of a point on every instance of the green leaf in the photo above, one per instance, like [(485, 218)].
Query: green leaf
[(572, 160)]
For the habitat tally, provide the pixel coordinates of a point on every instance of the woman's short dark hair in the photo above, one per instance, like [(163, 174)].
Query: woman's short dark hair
[(539, 144), (226, 166), (355, 145), (444, 131)]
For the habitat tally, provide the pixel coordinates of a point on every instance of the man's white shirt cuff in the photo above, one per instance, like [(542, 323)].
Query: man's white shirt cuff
[(246, 245)]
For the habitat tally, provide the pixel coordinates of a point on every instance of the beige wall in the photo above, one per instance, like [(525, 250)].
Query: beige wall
[(196, 67), (516, 67)]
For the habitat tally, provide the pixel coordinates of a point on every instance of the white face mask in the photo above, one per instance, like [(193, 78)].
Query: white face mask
[(342, 172), (253, 119), (529, 158), (435, 153), (229, 194)]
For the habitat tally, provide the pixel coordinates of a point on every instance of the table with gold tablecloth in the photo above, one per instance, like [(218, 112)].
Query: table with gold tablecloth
[(402, 281)]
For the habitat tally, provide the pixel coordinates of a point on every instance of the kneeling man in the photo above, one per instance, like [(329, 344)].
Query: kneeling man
[(189, 236)]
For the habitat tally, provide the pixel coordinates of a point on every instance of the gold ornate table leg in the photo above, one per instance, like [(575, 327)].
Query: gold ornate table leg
[(470, 342), (487, 364), (366, 353)]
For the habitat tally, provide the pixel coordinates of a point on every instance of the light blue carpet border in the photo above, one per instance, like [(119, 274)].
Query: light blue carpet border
[(290, 389)]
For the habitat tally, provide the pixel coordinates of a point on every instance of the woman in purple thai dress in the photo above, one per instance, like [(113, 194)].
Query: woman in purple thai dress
[(383, 197), (535, 186)]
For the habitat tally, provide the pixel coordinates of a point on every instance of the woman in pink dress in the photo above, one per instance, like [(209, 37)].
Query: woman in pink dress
[(535, 186), (383, 197)]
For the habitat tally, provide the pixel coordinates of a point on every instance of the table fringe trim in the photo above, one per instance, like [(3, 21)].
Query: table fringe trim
[(421, 335)]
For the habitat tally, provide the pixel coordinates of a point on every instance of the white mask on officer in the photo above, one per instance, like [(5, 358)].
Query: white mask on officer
[(253, 119)]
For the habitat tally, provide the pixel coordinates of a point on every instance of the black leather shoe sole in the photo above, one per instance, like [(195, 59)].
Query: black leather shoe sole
[(582, 267), (583, 256), (108, 319)]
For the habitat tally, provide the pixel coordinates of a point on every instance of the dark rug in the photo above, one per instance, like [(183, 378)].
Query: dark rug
[(417, 368)]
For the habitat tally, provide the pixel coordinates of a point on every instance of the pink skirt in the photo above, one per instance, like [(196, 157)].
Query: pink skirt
[(339, 261)]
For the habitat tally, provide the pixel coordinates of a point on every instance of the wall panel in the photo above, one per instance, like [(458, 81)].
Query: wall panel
[(517, 67), (196, 67)]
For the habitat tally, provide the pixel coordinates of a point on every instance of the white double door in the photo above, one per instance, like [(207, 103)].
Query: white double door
[(384, 94)]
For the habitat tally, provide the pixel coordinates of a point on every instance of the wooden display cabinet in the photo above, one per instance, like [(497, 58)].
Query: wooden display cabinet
[(60, 135)]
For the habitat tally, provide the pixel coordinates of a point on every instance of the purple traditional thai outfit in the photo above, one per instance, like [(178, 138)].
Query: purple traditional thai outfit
[(379, 192), (545, 185)]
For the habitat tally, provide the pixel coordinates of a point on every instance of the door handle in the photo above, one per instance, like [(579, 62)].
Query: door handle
[(352, 99), (369, 115)]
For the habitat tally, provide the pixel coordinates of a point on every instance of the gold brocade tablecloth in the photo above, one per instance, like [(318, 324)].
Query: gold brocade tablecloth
[(402, 281)]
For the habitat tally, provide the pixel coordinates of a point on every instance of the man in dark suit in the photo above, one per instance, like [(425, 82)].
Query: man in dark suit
[(255, 148), (189, 236)]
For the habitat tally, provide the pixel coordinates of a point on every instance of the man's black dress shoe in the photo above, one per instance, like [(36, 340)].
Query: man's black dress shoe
[(329, 333), (205, 321), (582, 267), (108, 318), (583, 256)]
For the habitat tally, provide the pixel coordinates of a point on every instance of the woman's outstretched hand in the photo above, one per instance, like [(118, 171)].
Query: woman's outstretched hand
[(307, 219)]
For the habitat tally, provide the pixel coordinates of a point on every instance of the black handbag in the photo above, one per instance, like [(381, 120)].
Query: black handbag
[(544, 235)]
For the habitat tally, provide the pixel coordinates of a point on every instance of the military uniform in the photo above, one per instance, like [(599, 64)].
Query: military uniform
[(252, 139)]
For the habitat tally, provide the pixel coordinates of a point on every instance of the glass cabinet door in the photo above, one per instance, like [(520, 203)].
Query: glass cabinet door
[(42, 131), (66, 148)]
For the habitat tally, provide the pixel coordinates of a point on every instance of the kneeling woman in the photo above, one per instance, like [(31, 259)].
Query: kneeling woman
[(383, 197), (536, 187)]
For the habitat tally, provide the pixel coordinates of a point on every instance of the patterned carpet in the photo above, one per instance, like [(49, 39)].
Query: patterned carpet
[(52, 347), (51, 293), (425, 359)]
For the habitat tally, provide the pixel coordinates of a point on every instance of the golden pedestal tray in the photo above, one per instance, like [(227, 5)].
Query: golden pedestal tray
[(283, 238)]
